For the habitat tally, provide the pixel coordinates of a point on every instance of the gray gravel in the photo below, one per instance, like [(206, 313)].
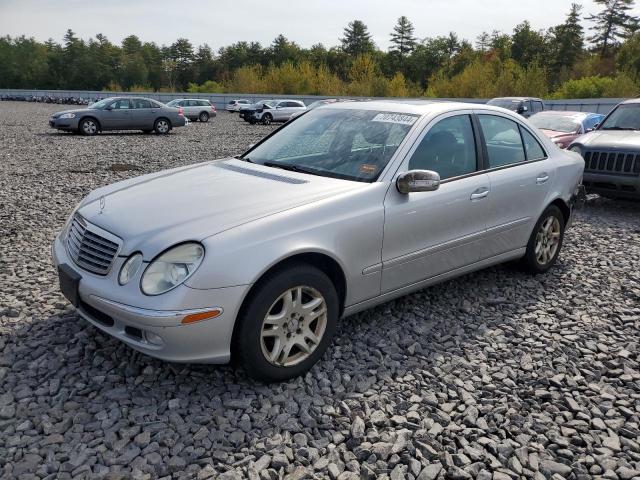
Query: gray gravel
[(494, 375)]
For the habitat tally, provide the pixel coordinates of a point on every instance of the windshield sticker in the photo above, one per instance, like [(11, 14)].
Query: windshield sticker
[(368, 169), (395, 118)]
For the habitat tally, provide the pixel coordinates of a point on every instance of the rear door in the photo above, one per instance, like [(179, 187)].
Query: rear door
[(520, 174), (118, 116), (430, 233), (142, 113)]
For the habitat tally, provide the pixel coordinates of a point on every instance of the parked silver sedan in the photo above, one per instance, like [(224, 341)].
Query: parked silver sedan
[(343, 208), (120, 113)]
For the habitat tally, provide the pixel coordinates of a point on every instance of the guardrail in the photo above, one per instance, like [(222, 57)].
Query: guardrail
[(596, 105)]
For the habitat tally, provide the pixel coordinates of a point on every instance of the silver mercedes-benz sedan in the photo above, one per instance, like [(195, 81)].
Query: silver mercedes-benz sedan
[(347, 206)]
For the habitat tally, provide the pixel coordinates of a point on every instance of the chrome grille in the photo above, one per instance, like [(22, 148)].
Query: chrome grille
[(89, 248), (619, 163)]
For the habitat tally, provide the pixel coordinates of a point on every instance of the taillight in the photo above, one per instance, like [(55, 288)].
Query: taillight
[(180, 111), (213, 108)]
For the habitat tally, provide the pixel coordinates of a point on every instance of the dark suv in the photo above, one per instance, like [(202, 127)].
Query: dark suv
[(525, 106), (611, 153)]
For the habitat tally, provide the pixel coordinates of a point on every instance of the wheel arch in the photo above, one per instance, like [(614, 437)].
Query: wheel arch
[(564, 208), (322, 261)]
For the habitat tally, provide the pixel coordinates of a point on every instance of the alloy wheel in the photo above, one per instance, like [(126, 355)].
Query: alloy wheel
[(293, 326), (547, 240), (89, 127), (162, 126)]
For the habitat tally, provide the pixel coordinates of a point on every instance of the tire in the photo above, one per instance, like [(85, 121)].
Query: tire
[(267, 119), (88, 126), (162, 126), (203, 117), (545, 242), (287, 357)]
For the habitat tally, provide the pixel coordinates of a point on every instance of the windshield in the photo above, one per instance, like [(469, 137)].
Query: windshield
[(173, 103), (508, 104), (349, 144), (624, 117), (101, 104), (558, 123)]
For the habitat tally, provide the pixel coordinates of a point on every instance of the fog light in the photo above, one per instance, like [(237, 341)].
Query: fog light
[(153, 338)]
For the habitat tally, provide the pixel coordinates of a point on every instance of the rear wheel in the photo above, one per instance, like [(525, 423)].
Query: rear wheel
[(88, 126), (545, 241), (203, 117), (162, 126), (287, 324), (267, 119)]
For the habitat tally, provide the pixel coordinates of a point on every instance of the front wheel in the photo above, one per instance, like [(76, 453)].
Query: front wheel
[(287, 324), (545, 241), (266, 119), (88, 126), (204, 117), (162, 126)]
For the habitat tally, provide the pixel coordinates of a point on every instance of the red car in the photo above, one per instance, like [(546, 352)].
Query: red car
[(564, 127)]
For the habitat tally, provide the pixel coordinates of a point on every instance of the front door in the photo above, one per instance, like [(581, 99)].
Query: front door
[(520, 174), (118, 117), (429, 233)]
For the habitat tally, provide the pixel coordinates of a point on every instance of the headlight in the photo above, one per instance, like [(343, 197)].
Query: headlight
[(171, 268), (68, 115), (129, 268), (559, 143)]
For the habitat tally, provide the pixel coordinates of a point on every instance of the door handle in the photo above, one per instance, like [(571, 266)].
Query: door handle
[(542, 178), (481, 192)]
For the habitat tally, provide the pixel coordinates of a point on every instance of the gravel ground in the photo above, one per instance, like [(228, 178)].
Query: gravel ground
[(494, 375)]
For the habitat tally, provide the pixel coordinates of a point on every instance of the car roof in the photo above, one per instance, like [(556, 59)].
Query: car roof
[(568, 113), (632, 100), (517, 98), (416, 107)]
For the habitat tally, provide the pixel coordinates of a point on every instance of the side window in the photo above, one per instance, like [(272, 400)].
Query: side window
[(448, 148), (591, 122), (120, 104), (140, 103), (537, 107), (532, 147), (502, 137)]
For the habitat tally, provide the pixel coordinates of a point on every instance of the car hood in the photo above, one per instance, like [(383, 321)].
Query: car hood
[(615, 139), (556, 134), (153, 212), (74, 110)]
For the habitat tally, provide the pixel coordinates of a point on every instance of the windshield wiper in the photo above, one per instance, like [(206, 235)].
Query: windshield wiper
[(294, 168)]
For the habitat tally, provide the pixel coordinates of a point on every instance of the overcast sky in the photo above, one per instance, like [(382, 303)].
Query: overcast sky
[(222, 22)]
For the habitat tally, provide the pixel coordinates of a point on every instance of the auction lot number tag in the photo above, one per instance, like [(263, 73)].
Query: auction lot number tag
[(400, 118)]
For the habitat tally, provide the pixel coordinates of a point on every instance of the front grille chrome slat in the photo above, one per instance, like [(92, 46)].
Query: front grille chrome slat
[(89, 248), (618, 163)]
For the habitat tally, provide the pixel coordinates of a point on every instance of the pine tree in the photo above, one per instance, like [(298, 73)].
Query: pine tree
[(483, 42), (357, 39), (612, 23), (402, 37), (567, 41)]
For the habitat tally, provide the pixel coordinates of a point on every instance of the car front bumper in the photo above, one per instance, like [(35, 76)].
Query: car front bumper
[(156, 330), (63, 123), (624, 186)]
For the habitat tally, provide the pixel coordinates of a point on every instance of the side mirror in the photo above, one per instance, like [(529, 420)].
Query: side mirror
[(108, 108), (418, 181)]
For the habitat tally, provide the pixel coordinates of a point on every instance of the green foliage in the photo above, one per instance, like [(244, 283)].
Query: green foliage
[(209, 86), (526, 62), (598, 87)]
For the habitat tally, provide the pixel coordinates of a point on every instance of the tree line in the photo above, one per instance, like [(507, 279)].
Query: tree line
[(565, 61)]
